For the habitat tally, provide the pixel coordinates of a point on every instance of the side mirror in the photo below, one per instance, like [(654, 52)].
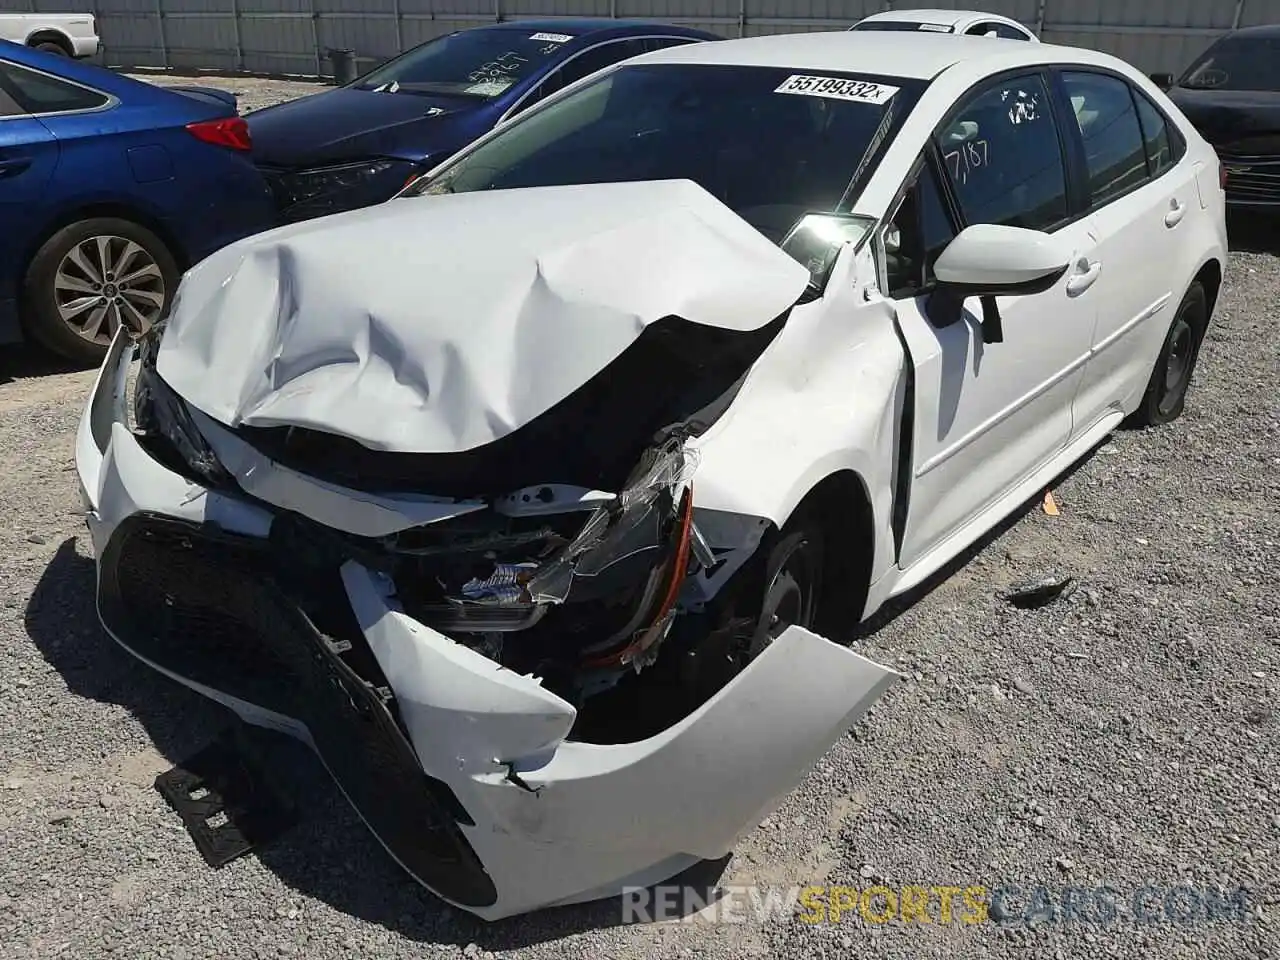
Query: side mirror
[(988, 260), (1164, 81), (816, 239)]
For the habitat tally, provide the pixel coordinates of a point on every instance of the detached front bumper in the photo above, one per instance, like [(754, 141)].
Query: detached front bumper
[(463, 770)]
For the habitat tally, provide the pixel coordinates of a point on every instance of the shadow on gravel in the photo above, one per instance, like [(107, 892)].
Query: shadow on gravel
[(1254, 232), (328, 855), (22, 361), (899, 605)]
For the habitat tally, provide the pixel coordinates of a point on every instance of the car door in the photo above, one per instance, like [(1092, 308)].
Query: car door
[(1140, 195), (28, 157), (988, 414)]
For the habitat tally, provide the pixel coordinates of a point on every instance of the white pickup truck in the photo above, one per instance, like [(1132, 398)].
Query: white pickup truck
[(67, 34)]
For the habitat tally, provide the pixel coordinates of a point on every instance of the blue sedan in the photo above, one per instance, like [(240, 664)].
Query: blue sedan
[(109, 189), (361, 143)]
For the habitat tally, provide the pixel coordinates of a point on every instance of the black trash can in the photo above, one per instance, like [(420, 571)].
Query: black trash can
[(344, 65)]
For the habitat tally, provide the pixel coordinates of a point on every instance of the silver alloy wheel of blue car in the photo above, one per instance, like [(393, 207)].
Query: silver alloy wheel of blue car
[(105, 282)]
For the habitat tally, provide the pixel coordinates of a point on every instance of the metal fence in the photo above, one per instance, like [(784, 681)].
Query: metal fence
[(291, 36)]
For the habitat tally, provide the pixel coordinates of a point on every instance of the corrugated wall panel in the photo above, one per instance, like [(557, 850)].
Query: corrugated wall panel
[(420, 31), (1258, 12), (555, 8), (372, 37), (61, 6), (281, 36), (275, 44), (704, 11)]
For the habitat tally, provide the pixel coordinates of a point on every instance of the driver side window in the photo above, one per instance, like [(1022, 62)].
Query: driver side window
[(1003, 158), (916, 236)]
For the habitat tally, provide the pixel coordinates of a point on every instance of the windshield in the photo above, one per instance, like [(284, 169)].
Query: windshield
[(472, 63), (770, 144), (1237, 63)]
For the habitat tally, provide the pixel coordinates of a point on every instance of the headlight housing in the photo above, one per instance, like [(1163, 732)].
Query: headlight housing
[(301, 194), (164, 426)]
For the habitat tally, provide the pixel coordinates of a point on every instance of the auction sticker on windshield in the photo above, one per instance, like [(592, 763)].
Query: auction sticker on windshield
[(860, 91), (552, 37)]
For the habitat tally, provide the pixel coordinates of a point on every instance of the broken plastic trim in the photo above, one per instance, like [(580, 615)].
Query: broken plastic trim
[(638, 540), (644, 642), (161, 415), (622, 528)]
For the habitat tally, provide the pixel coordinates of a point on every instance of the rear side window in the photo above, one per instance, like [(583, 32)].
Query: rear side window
[(1001, 30), (8, 106), (661, 43), (1163, 148), (1003, 157), (585, 64), (41, 93), (1115, 156)]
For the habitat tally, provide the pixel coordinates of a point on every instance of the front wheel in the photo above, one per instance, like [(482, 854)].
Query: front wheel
[(93, 277), (792, 587), (1166, 393)]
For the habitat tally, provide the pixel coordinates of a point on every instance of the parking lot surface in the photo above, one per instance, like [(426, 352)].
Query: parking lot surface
[(1122, 737)]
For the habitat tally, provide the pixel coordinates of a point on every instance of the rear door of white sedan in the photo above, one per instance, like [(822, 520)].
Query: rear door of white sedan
[(1142, 201)]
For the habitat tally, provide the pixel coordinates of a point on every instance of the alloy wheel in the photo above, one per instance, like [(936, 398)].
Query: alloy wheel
[(106, 282)]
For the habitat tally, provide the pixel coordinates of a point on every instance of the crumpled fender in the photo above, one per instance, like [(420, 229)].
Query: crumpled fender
[(558, 821)]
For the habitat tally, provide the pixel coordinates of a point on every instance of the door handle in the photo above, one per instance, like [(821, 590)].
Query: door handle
[(11, 168), (1086, 276), (1177, 211)]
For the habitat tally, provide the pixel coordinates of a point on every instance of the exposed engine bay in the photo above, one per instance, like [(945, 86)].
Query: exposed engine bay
[(439, 521), (573, 585)]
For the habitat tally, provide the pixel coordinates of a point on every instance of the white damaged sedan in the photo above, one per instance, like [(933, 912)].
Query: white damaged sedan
[(538, 499)]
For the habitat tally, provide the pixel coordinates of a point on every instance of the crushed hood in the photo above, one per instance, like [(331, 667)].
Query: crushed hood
[(442, 324)]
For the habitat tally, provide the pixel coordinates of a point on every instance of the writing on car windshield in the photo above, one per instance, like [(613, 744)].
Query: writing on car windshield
[(473, 63), (770, 144), (1237, 63)]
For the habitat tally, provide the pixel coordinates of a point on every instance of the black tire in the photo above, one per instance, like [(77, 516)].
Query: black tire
[(1166, 393), (45, 298), (791, 587), (52, 46)]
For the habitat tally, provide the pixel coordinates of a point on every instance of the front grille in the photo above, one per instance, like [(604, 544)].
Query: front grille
[(1251, 178), (214, 608)]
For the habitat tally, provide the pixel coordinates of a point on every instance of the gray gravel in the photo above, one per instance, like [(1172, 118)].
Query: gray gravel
[(1125, 735)]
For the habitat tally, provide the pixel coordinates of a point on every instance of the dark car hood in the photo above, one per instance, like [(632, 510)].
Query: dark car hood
[(1226, 116), (349, 124)]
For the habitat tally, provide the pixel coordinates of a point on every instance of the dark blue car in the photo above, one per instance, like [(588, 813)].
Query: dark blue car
[(359, 144), (109, 189)]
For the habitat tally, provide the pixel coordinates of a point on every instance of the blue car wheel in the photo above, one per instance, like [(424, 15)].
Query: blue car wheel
[(93, 277)]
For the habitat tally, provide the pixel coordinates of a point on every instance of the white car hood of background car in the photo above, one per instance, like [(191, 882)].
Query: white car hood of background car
[(440, 324)]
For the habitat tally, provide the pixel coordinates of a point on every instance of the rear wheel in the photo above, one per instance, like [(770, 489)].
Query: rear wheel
[(93, 277), (1166, 393), (51, 46)]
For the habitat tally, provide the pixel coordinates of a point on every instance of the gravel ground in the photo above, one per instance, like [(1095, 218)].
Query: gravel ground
[(1123, 736)]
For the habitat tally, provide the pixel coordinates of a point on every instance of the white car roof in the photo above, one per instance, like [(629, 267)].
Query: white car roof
[(909, 55), (950, 18)]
